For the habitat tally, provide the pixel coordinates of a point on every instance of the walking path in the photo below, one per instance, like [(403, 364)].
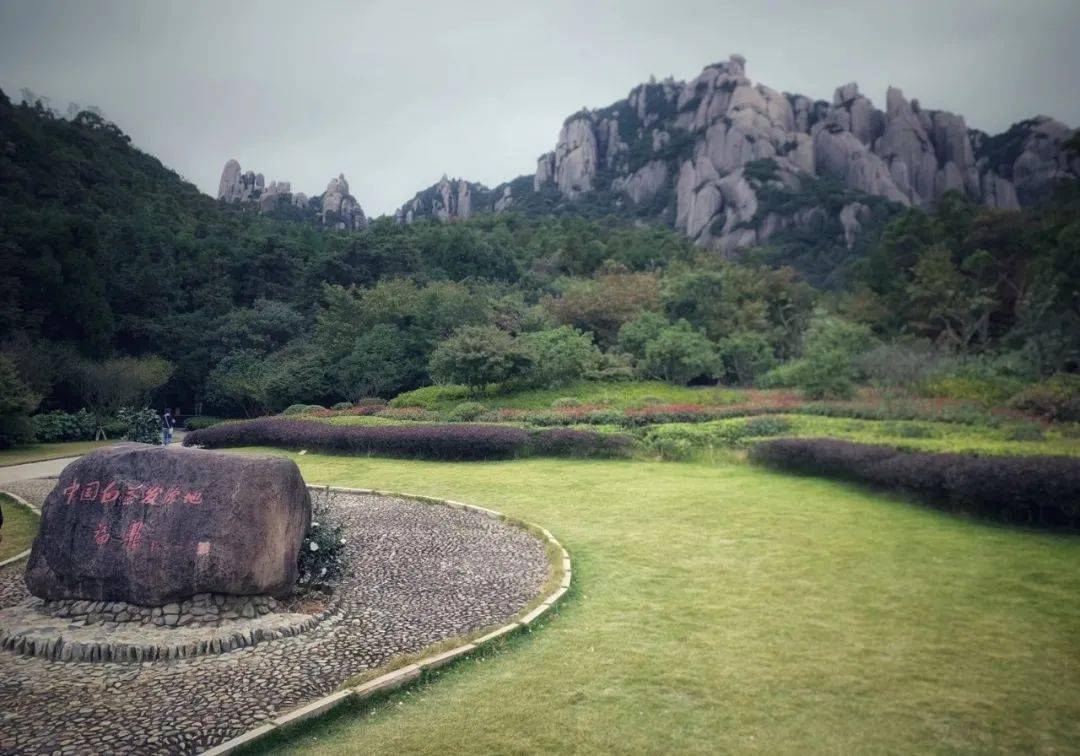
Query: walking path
[(49, 468)]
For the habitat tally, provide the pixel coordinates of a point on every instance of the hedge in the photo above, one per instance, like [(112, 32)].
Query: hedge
[(444, 442), (1034, 490)]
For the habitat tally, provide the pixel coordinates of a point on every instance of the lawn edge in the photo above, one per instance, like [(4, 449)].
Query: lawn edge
[(396, 679), (19, 500)]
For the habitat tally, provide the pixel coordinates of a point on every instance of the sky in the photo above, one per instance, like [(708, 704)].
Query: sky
[(395, 94)]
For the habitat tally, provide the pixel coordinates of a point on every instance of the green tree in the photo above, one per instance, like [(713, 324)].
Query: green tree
[(745, 356), (478, 355), (17, 401), (241, 382), (379, 364), (560, 355), (680, 353)]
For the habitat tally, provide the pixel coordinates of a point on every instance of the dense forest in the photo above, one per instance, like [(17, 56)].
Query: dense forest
[(107, 255)]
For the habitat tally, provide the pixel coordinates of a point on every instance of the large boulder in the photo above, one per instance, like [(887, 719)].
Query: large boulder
[(149, 525)]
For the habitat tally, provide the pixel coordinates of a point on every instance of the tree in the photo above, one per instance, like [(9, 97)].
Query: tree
[(478, 355), (17, 401), (746, 355), (635, 335), (108, 385), (603, 304), (378, 365), (560, 355), (680, 353), (949, 302), (241, 382)]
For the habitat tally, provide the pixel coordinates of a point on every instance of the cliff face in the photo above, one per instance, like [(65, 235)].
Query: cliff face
[(334, 208), (730, 162)]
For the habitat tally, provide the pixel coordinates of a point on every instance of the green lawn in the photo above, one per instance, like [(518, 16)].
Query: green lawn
[(727, 608), (908, 435), (38, 452), (614, 394), (20, 526)]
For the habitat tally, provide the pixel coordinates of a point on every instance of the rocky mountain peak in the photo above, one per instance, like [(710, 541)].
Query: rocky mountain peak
[(335, 207)]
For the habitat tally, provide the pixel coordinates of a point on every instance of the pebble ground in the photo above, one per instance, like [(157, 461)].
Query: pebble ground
[(419, 573)]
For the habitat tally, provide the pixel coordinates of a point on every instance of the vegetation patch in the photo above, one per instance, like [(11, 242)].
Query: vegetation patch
[(1033, 490)]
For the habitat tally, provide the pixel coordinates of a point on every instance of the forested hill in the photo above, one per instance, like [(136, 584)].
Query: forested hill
[(105, 251)]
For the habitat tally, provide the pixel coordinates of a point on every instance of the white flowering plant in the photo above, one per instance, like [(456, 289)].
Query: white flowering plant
[(322, 553)]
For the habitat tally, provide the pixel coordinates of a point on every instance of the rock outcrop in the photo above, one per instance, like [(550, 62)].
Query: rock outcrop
[(149, 526), (732, 163), (336, 208)]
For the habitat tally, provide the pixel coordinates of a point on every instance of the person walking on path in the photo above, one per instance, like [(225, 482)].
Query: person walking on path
[(166, 428)]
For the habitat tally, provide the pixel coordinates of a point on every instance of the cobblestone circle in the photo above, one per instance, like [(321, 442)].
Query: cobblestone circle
[(418, 573)]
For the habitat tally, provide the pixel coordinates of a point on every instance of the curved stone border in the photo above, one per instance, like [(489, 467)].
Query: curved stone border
[(411, 673), (156, 644), (32, 508)]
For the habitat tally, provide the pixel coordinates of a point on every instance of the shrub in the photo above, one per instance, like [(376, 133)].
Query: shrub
[(198, 422), (745, 356), (1037, 490), (301, 409), (478, 355), (765, 426), (467, 411), (566, 401), (1026, 432), (1056, 399), (430, 397), (143, 426), (679, 354), (50, 427), (371, 401), (559, 355), (567, 442), (341, 406), (417, 441), (322, 552), (414, 414)]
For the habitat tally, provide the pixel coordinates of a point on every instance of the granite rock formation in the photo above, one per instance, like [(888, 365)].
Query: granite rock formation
[(710, 155), (334, 208)]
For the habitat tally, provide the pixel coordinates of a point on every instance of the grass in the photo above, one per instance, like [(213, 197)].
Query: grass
[(907, 435), (41, 452), (20, 526), (727, 608), (615, 395)]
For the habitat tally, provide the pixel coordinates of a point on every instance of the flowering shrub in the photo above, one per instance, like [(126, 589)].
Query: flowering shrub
[(419, 441), (1037, 490), (322, 552)]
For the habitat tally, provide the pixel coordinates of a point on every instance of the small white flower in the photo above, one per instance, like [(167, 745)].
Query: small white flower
[(342, 542), (314, 546), (303, 451), (322, 572), (314, 524)]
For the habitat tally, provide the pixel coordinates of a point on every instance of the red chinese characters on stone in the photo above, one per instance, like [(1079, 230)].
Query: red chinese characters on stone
[(193, 497), (131, 495), (111, 493), (171, 496), (71, 491), (90, 491), (133, 536), (152, 494), (101, 533)]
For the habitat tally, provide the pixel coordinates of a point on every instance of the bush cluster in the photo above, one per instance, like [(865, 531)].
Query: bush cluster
[(141, 425), (439, 442), (302, 409), (50, 427), (1056, 399), (322, 553), (1034, 490), (198, 422)]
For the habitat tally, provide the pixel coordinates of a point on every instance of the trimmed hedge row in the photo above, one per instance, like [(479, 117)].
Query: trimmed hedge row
[(445, 442), (1033, 490)]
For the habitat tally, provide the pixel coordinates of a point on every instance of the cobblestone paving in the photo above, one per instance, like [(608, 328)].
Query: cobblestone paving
[(419, 573)]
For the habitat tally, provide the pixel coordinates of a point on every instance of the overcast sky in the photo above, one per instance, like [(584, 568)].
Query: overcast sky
[(394, 94)]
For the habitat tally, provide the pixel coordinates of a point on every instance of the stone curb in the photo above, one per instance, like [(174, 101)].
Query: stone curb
[(405, 675), (32, 508)]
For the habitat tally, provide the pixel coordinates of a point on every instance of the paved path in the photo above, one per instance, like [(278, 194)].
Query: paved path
[(417, 574), (50, 468)]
